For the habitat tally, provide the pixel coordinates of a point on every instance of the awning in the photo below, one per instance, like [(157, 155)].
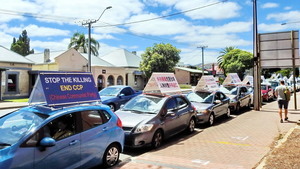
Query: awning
[(136, 72)]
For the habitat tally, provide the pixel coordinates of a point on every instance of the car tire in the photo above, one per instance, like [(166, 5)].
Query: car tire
[(112, 107), (211, 119), (238, 107), (111, 155), (191, 126), (228, 113), (157, 139)]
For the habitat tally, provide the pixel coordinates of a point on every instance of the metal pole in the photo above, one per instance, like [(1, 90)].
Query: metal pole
[(256, 77), (89, 23), (202, 48), (89, 48), (294, 68)]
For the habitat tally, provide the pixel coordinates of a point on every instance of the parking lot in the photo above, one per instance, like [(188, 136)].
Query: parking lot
[(238, 142)]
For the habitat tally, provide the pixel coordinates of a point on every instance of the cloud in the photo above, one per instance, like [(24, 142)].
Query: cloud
[(287, 8), (285, 16), (158, 27), (5, 40), (52, 45), (277, 27), (208, 9), (269, 5)]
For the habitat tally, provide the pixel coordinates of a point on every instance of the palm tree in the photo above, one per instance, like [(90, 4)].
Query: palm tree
[(79, 42), (220, 58)]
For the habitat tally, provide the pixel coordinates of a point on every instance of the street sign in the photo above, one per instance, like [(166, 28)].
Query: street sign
[(59, 88), (277, 50)]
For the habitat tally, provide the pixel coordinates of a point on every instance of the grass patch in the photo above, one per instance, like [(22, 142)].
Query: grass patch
[(185, 86), (17, 100)]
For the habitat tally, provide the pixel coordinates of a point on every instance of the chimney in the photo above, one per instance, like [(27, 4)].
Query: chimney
[(133, 52), (46, 55)]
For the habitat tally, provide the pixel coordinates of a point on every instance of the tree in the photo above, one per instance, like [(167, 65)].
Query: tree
[(22, 45), (79, 42), (159, 58), (237, 61), (220, 58)]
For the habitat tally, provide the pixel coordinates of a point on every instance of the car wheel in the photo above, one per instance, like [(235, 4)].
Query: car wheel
[(111, 155), (238, 108), (112, 107), (157, 139), (211, 119), (191, 126), (249, 104), (228, 112)]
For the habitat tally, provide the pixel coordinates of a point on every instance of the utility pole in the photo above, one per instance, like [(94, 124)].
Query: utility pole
[(256, 65), (89, 24), (202, 48)]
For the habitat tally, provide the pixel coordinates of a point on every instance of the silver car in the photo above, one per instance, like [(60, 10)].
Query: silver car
[(209, 105), (149, 119)]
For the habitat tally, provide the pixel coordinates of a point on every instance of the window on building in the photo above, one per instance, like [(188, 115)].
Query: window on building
[(120, 80), (12, 82), (110, 80)]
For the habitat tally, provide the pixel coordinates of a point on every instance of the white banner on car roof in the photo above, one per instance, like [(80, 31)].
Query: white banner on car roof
[(248, 80), (162, 83), (232, 78), (207, 82)]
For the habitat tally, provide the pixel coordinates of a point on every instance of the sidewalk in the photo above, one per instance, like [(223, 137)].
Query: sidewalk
[(239, 143), (12, 105)]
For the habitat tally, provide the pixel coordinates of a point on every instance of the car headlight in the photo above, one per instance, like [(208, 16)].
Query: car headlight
[(204, 111), (143, 128)]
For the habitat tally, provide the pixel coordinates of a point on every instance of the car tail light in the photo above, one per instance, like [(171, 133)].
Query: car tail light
[(119, 122)]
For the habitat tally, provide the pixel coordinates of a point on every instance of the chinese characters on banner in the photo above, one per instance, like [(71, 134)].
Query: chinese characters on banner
[(162, 83)]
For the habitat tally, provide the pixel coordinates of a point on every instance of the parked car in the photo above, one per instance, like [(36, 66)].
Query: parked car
[(75, 136), (239, 96), (149, 119), (267, 93), (251, 90), (115, 96), (209, 105)]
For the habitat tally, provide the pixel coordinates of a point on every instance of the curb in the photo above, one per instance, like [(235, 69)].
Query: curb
[(280, 142)]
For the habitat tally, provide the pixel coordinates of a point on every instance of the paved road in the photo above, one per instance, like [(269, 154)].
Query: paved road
[(238, 143)]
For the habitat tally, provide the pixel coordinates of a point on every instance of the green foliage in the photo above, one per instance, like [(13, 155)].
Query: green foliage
[(78, 41), (237, 61), (285, 72), (220, 58), (159, 58), (22, 45), (185, 86)]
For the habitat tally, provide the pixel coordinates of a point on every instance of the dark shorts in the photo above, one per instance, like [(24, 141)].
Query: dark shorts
[(283, 103)]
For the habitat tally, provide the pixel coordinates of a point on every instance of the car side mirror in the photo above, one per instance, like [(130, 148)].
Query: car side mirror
[(47, 142), (170, 113), (121, 94)]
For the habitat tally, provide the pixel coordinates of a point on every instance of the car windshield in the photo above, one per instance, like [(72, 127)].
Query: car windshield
[(250, 89), (263, 87), (17, 124), (144, 104), (274, 84), (110, 91), (229, 90), (201, 97)]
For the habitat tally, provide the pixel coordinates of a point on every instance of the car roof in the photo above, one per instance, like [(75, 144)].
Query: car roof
[(117, 86), (52, 110)]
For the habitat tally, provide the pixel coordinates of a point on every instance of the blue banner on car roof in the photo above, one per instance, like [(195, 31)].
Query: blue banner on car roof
[(59, 88)]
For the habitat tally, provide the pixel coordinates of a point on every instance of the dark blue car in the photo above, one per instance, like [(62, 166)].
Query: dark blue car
[(74, 136), (115, 96)]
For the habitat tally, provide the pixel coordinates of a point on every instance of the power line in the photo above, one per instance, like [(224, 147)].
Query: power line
[(164, 16)]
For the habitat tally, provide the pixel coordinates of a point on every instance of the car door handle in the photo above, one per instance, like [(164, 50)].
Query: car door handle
[(73, 142), (104, 129)]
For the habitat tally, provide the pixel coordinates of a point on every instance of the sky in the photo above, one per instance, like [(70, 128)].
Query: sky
[(135, 25)]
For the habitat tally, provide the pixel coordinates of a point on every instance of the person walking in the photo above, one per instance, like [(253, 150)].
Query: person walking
[(283, 100)]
